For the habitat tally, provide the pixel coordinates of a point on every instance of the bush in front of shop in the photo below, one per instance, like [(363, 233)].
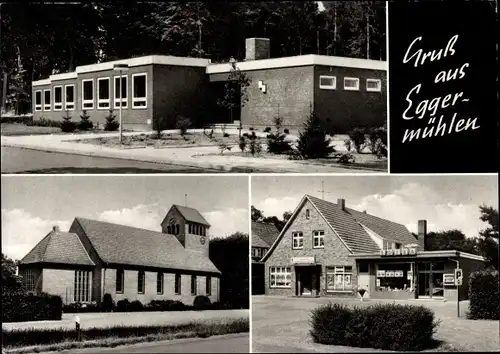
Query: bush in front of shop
[(381, 326), (484, 295)]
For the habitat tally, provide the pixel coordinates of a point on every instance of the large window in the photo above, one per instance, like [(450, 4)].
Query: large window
[(159, 283), (139, 90), (339, 278), (327, 82), (297, 240), (29, 280), (208, 286), (280, 277), (104, 93), (82, 286), (193, 285), (318, 239), (141, 279), (394, 277), (38, 100), (70, 97), (373, 85), (88, 94), (123, 87), (119, 280), (177, 284), (58, 98), (351, 83), (46, 100)]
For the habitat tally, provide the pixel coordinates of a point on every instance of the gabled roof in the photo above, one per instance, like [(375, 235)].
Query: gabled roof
[(122, 244), (58, 247), (347, 225), (263, 234), (190, 214)]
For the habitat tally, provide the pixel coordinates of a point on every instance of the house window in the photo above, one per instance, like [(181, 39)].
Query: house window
[(159, 283), (177, 229), (88, 94), (308, 215), (38, 100), (339, 278), (177, 284), (140, 282), (124, 88), (120, 280), (193, 285), (280, 277), (70, 97), (82, 286), (327, 82), (29, 280), (104, 93), (46, 100), (139, 90), (58, 98), (318, 239), (208, 286), (351, 83), (297, 240), (373, 85)]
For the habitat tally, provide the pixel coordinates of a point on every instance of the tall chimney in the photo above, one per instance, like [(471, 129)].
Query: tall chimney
[(341, 203), (422, 234), (257, 48), (55, 228)]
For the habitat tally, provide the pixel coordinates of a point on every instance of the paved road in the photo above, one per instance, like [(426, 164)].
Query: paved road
[(18, 160), (233, 343)]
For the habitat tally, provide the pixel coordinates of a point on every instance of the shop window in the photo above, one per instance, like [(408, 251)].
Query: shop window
[(351, 84), (297, 240), (318, 239), (88, 94), (38, 100), (280, 277), (69, 100), (394, 277), (139, 90), (58, 98), (103, 96), (339, 278)]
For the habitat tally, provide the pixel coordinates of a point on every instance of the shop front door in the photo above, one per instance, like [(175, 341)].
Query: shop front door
[(307, 280), (430, 280)]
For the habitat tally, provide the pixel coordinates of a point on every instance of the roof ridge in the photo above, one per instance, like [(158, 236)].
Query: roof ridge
[(375, 216), (122, 225)]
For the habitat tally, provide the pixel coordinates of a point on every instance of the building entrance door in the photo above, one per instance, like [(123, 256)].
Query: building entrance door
[(307, 280), (430, 280)]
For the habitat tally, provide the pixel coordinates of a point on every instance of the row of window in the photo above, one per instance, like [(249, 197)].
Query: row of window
[(318, 238), (141, 283), (91, 97), (350, 83), (338, 278), (258, 252)]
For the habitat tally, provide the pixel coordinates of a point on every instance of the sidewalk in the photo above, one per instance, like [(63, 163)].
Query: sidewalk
[(183, 156)]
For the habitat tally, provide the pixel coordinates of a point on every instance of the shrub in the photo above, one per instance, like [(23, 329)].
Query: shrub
[(267, 130), (251, 128), (382, 326), (17, 119), (123, 305), (136, 306), (242, 143), (484, 295), (348, 144), (85, 122), (377, 141), (358, 137), (108, 305), (77, 307), (183, 124), (286, 131), (201, 302), (67, 126), (245, 135), (226, 135), (166, 305), (30, 307), (111, 124), (276, 143), (43, 122), (313, 142)]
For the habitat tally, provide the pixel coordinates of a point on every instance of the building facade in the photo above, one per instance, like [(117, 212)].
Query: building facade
[(327, 249), (94, 258), (263, 236), (344, 92)]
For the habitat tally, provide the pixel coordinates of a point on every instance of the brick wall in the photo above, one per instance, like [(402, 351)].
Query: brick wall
[(150, 293), (61, 282), (333, 254), (344, 110)]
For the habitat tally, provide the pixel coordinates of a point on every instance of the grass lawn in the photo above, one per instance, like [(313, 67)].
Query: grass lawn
[(17, 129), (279, 322)]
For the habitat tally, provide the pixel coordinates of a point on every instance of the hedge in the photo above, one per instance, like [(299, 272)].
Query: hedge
[(381, 326), (29, 307), (484, 295)]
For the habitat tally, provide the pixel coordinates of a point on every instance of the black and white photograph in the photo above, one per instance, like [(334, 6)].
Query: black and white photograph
[(187, 87), (135, 263), (350, 263)]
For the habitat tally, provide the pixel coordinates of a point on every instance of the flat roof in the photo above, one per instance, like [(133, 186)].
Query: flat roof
[(420, 255), (300, 60)]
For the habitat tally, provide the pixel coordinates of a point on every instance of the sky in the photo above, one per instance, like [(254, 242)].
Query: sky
[(446, 202), (32, 205)]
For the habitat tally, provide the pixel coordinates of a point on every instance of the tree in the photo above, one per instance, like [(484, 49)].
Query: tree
[(451, 240), (258, 216), (312, 141), (488, 238), (11, 283)]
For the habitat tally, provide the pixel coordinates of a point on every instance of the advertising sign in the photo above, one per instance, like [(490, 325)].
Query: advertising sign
[(449, 279), (381, 273)]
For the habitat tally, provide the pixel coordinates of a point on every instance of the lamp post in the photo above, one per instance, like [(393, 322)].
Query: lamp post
[(121, 68)]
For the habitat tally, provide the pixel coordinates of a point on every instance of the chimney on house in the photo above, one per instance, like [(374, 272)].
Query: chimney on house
[(341, 203), (55, 228), (257, 48), (422, 234)]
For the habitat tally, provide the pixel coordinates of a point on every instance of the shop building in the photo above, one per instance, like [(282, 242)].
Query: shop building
[(263, 235), (328, 249)]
